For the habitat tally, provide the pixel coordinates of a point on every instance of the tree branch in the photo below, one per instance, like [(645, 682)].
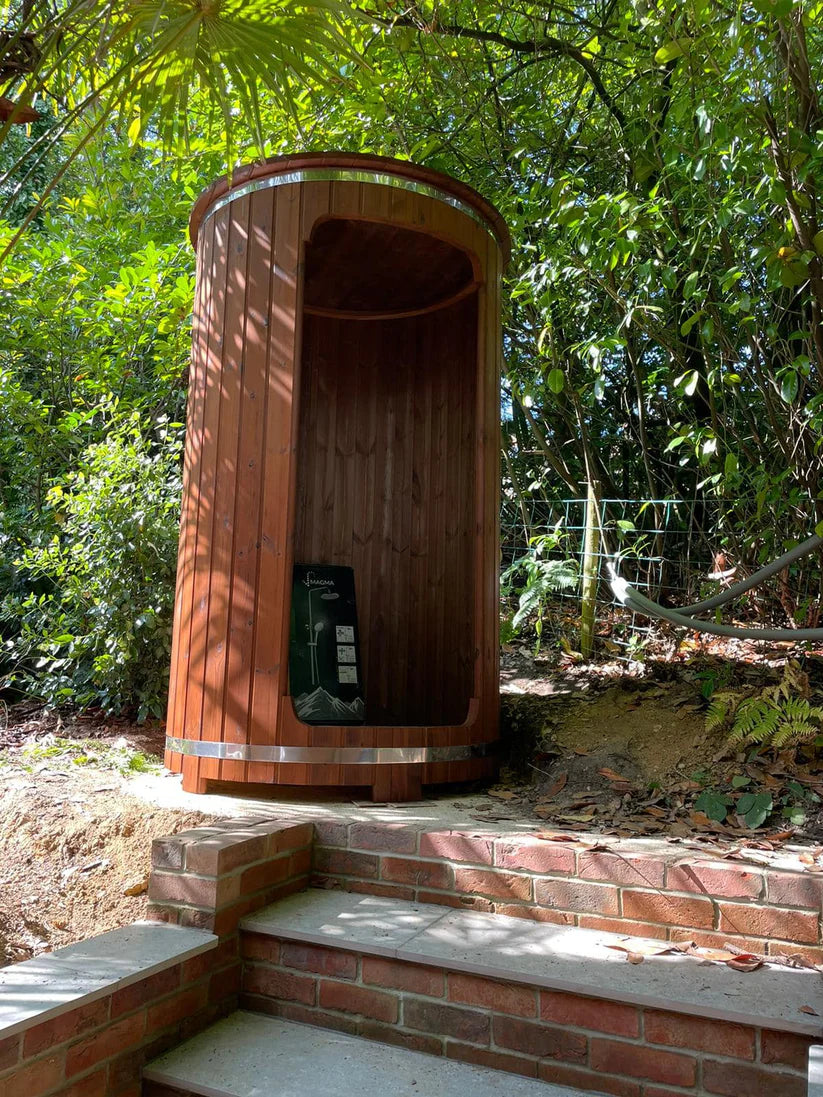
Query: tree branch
[(546, 46)]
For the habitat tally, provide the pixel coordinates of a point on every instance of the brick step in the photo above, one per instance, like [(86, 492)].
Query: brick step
[(250, 1055), (551, 1002)]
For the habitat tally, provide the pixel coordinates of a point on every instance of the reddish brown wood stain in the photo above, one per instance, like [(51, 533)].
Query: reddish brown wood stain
[(343, 409)]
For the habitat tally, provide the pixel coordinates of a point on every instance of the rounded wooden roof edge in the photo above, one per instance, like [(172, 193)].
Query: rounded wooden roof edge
[(280, 165)]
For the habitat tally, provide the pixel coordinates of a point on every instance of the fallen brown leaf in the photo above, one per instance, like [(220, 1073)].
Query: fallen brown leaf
[(558, 786), (745, 962), (610, 775)]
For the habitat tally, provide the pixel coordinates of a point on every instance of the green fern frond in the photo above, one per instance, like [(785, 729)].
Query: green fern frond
[(720, 710), (755, 721), (792, 732)]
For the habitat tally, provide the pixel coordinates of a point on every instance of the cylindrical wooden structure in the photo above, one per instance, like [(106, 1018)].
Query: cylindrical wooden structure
[(343, 409)]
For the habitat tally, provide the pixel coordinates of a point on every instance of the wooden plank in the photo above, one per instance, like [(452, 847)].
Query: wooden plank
[(214, 314), (419, 540), (314, 204), (239, 661), (270, 655), (223, 497), (492, 464), (186, 557), (363, 534)]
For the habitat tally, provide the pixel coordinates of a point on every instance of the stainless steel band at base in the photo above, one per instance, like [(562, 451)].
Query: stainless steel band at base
[(328, 756), (346, 175)]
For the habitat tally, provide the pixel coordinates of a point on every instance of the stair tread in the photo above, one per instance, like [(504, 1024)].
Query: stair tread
[(565, 958), (252, 1055)]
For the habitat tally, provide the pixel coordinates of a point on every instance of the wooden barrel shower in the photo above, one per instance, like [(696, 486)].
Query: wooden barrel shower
[(343, 410)]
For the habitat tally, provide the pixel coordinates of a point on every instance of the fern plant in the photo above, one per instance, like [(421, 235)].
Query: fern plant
[(543, 577), (778, 717)]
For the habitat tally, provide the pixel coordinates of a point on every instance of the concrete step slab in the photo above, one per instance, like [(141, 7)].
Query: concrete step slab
[(250, 1055), (563, 958)]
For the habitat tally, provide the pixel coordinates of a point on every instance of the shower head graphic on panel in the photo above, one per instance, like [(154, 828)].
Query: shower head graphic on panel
[(324, 678), (343, 418)]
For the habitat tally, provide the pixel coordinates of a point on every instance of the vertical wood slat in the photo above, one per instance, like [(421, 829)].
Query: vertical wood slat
[(225, 483), (269, 658), (215, 306), (250, 434), (181, 631)]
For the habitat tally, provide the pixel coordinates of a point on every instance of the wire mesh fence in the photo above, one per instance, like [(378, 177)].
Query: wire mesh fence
[(662, 549)]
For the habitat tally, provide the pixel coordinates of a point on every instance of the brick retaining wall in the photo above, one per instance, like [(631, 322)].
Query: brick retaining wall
[(678, 896), (99, 1048), (570, 1040), (205, 879)]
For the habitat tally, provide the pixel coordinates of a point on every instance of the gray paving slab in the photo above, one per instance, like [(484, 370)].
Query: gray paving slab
[(579, 961), (338, 917), (249, 1055), (36, 990), (815, 1072), (585, 962)]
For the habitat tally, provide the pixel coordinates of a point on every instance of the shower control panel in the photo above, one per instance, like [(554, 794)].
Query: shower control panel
[(324, 653)]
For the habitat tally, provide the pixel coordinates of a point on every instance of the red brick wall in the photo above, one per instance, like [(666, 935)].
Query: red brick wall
[(210, 877), (206, 879), (99, 1048), (562, 1038), (672, 897)]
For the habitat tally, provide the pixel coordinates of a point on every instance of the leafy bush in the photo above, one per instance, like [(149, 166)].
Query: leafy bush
[(94, 623)]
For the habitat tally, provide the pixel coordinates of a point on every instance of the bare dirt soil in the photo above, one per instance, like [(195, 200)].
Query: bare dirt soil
[(75, 849), (623, 748)]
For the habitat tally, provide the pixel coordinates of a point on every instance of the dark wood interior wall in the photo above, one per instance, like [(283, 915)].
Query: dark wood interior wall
[(386, 485)]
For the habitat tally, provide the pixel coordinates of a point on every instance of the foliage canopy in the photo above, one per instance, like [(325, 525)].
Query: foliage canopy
[(658, 162)]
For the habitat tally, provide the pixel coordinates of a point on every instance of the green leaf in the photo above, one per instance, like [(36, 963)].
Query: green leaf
[(692, 383), (713, 804), (690, 285), (778, 8), (687, 325), (739, 781), (677, 47), (556, 381), (795, 814), (793, 273), (746, 802), (788, 386), (730, 465), (757, 811)]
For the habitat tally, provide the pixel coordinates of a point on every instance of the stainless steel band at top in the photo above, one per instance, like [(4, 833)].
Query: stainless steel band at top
[(348, 175), (327, 756)]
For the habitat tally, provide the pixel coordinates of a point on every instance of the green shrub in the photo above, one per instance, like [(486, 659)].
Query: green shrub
[(93, 624)]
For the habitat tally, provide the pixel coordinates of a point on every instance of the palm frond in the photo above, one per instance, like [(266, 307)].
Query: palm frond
[(139, 63)]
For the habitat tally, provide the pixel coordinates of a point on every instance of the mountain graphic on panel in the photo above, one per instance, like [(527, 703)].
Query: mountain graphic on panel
[(325, 680), (321, 707)]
